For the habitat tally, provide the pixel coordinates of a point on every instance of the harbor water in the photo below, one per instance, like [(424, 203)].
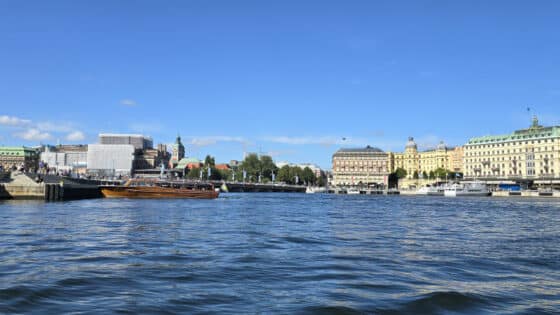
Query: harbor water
[(281, 253)]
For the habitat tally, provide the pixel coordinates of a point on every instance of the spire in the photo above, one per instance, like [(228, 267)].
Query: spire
[(535, 122)]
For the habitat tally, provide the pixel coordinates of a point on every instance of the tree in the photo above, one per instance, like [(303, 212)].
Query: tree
[(308, 176), (424, 174), (440, 173), (321, 181), (267, 167), (252, 166), (209, 161), (415, 175), (297, 172), (400, 173), (194, 173), (432, 175), (284, 174)]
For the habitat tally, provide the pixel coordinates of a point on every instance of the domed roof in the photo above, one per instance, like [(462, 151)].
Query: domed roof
[(410, 144), (441, 146)]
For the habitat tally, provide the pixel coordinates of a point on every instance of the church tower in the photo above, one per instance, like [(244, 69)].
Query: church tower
[(178, 152)]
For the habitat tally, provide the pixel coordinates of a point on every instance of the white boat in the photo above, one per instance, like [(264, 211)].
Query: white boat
[(352, 191), (315, 190), (431, 191), (467, 189)]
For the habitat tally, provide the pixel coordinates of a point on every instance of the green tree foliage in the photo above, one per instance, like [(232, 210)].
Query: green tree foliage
[(424, 175), (267, 167), (194, 173), (321, 181), (440, 173), (209, 161), (308, 176), (401, 172), (255, 166), (415, 175), (432, 175), (284, 174)]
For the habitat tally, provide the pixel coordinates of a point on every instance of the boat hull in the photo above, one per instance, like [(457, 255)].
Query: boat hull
[(156, 193), (466, 194)]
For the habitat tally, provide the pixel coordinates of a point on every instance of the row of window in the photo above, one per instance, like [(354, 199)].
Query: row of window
[(530, 172), (512, 158), (493, 152)]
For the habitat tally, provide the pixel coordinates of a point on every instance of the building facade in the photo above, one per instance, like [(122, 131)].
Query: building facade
[(152, 158), (109, 160), (422, 163), (139, 142), (19, 157), (65, 158), (360, 166), (532, 153)]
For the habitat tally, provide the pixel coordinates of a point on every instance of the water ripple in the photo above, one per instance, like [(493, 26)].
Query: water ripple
[(281, 253)]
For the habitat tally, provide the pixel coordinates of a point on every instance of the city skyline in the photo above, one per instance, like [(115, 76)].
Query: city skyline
[(290, 80)]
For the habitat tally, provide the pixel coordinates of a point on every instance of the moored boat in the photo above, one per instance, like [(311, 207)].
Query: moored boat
[(431, 191), (315, 190), (467, 189), (154, 189)]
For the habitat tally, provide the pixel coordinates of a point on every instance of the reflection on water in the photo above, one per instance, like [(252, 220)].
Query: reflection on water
[(281, 253)]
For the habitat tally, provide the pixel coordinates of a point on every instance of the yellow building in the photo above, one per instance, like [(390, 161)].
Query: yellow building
[(424, 162), (530, 153), (362, 166)]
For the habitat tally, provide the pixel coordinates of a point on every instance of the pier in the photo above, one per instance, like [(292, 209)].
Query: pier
[(47, 188)]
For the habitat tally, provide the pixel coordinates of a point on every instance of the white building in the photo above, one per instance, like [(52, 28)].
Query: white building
[(110, 159), (66, 158), (139, 142)]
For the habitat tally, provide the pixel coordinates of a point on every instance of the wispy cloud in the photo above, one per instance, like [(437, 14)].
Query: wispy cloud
[(277, 153), (128, 102), (211, 140), (29, 130), (33, 135), (13, 121), (55, 126), (75, 136), (306, 140)]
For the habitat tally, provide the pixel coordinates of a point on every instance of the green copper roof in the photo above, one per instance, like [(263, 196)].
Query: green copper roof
[(186, 161), (534, 132)]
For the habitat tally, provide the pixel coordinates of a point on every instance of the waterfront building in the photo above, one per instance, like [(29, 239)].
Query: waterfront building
[(139, 142), (152, 158), (421, 163), (109, 160), (360, 166), (11, 157), (178, 152), (525, 154), (72, 158)]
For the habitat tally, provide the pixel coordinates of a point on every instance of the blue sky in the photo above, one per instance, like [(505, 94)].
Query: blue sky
[(289, 78)]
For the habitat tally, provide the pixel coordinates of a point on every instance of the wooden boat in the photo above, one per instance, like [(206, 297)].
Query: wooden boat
[(154, 189)]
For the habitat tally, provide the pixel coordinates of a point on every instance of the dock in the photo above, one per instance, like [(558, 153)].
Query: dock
[(48, 188)]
